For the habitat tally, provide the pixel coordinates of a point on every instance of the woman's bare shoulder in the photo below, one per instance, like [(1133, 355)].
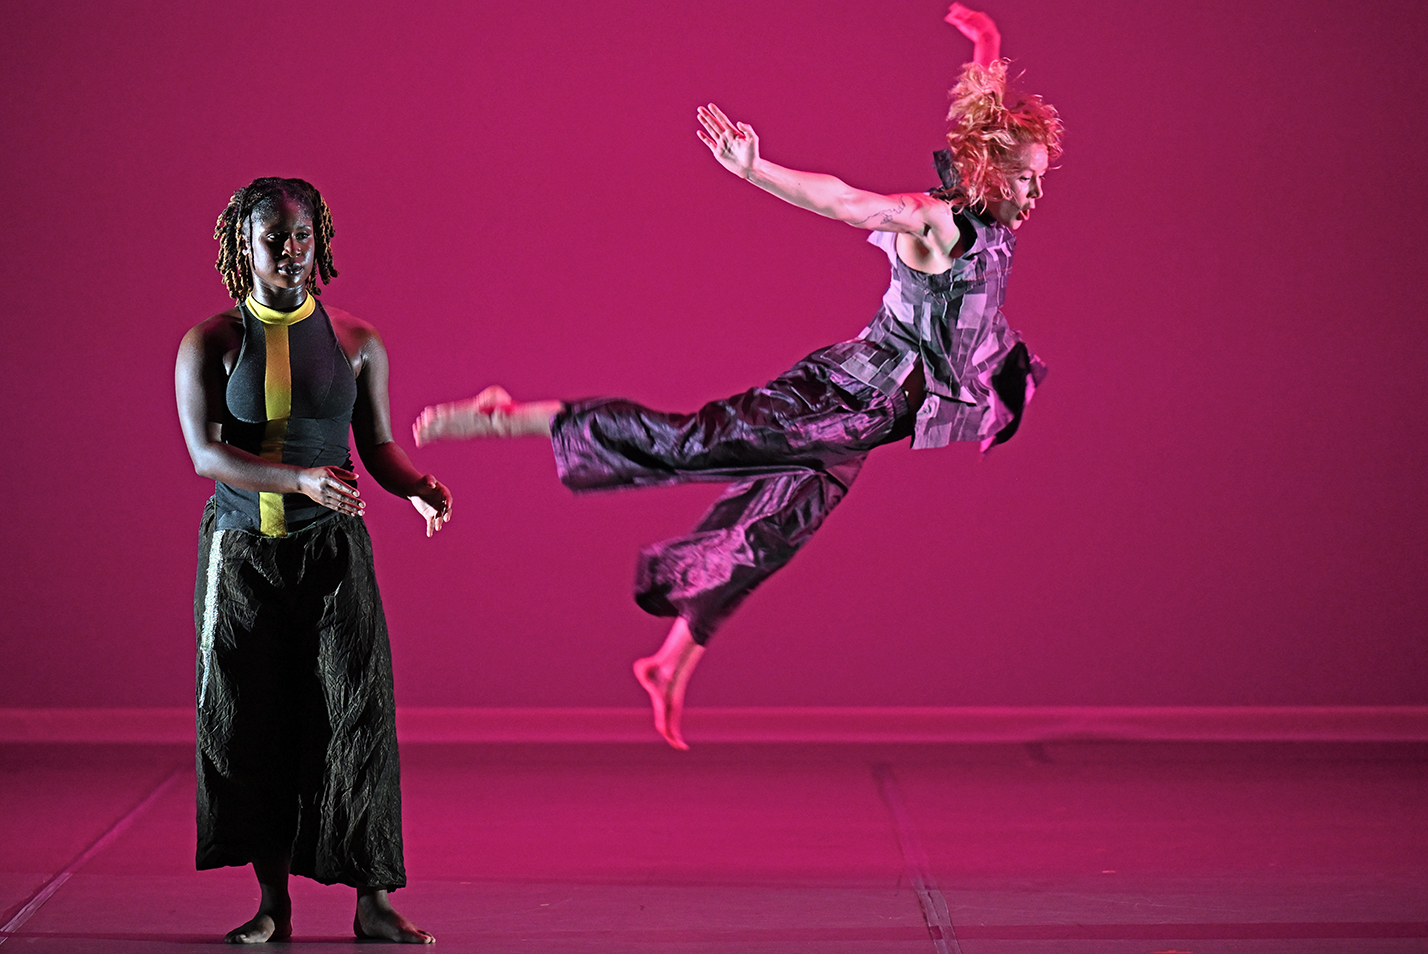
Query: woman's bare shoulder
[(344, 322), (359, 339), (216, 328)]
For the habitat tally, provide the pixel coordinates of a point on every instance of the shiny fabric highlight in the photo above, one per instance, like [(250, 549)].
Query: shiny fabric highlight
[(793, 448)]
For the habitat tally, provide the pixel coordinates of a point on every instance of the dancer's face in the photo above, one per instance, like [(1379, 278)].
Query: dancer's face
[(283, 246), (1024, 180)]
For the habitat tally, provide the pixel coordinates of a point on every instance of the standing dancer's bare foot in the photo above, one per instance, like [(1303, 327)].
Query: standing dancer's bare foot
[(265, 926), (274, 920), (492, 413), (665, 676), (377, 920)]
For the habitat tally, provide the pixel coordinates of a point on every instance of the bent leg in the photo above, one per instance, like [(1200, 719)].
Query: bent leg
[(794, 446), (749, 533), (665, 675)]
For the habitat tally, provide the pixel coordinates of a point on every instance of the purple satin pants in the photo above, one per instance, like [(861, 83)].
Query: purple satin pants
[(792, 448)]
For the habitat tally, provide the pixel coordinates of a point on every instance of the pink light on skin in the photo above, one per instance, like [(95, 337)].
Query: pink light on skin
[(1024, 181), (980, 29), (929, 237)]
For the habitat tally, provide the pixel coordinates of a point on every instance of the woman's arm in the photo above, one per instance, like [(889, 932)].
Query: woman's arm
[(199, 382), (980, 29), (372, 432), (736, 147)]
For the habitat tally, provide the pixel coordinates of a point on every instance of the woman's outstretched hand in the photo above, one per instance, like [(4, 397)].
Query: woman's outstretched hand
[(980, 29), (433, 501), (735, 145)]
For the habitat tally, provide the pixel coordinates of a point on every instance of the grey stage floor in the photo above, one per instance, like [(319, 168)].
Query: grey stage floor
[(773, 848)]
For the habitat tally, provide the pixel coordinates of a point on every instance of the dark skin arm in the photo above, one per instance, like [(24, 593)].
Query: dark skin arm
[(372, 424), (205, 359)]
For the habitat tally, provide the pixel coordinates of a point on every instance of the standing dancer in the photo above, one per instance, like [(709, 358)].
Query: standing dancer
[(938, 363), (297, 741)]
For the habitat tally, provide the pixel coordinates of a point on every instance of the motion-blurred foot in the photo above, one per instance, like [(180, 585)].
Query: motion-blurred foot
[(492, 413)]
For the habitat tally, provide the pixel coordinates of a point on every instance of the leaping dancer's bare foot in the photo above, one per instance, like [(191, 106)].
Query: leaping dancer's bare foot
[(377, 920), (665, 676), (492, 413)]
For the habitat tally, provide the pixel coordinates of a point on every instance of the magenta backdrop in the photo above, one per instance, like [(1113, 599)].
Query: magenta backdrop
[(1217, 498)]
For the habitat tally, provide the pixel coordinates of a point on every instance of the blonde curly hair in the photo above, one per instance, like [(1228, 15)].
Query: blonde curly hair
[(988, 126)]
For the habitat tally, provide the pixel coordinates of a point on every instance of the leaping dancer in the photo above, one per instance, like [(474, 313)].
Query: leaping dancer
[(938, 363)]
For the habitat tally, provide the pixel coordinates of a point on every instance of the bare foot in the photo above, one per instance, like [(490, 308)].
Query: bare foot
[(665, 675), (274, 920), (265, 926), (492, 413), (377, 920)]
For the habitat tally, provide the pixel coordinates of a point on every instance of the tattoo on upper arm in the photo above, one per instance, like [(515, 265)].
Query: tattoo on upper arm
[(884, 216)]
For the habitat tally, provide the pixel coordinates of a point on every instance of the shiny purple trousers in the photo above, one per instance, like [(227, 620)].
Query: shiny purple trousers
[(792, 449)]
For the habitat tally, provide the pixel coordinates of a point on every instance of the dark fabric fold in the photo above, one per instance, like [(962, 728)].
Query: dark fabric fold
[(297, 745)]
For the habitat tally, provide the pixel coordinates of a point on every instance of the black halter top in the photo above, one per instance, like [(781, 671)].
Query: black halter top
[(289, 400)]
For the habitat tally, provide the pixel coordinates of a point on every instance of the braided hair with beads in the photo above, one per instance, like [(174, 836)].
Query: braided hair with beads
[(258, 197)]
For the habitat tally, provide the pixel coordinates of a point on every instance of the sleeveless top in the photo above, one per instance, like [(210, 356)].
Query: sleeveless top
[(289, 400), (978, 373)]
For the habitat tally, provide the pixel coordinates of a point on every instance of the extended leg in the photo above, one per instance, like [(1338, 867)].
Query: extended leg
[(811, 414)]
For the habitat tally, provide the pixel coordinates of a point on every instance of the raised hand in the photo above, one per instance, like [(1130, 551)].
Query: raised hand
[(735, 145), (980, 29)]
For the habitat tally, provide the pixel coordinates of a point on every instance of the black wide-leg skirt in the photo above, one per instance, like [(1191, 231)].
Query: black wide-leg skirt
[(297, 742)]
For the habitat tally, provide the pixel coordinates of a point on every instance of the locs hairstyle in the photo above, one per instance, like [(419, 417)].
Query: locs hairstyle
[(261, 197), (988, 124)]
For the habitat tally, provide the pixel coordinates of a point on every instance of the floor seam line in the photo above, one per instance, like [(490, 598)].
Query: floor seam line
[(929, 896), (47, 890)]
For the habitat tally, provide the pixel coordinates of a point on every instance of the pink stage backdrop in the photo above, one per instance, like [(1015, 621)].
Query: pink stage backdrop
[(1217, 499)]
